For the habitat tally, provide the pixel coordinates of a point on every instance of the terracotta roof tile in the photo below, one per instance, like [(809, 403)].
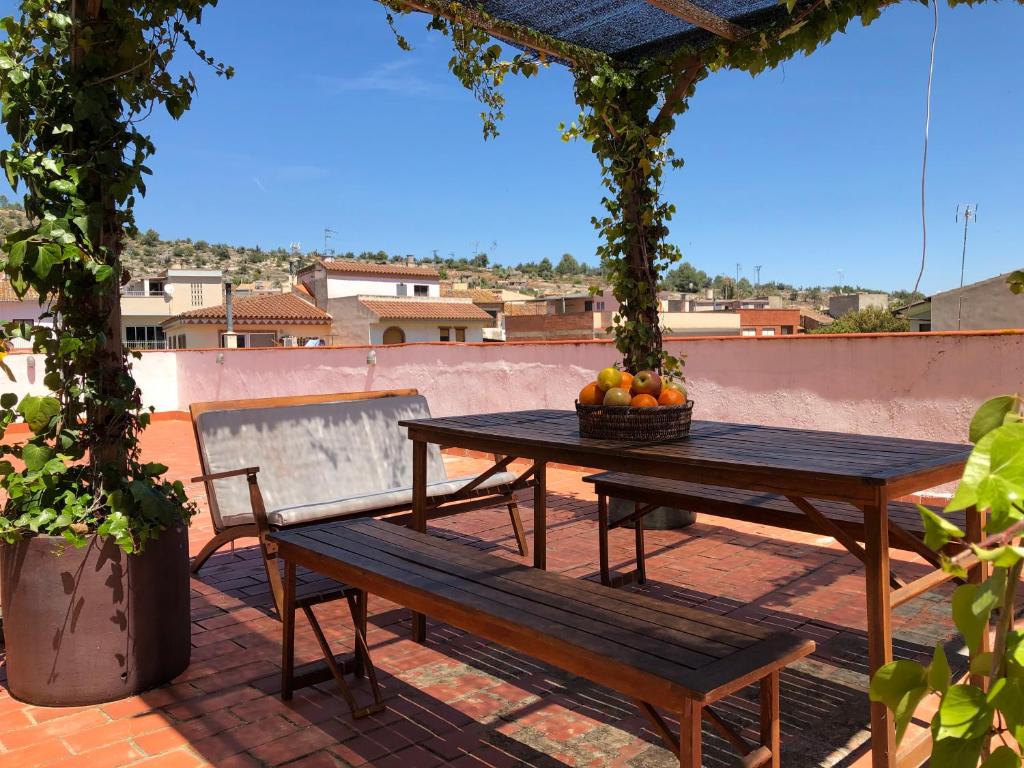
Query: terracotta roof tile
[(477, 295), (397, 309), (373, 268), (265, 308), (7, 293)]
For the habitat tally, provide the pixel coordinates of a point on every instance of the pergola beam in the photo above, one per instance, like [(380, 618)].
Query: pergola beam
[(699, 17)]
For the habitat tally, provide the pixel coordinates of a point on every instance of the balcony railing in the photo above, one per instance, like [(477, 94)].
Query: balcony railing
[(142, 294), (146, 344)]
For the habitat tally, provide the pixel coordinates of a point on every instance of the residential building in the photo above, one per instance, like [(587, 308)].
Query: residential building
[(841, 304), (330, 279), (985, 305), (406, 319), (148, 302), (21, 310), (264, 320), (811, 319), (769, 322), (490, 301), (711, 304)]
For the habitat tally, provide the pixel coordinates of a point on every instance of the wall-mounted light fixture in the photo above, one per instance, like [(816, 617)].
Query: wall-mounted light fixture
[(220, 358), (371, 357)]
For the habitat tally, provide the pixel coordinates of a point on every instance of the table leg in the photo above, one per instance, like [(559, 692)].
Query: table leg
[(876, 545), (288, 631), (419, 519), (977, 574), (540, 515)]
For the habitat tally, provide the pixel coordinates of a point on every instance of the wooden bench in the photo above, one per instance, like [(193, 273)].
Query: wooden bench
[(844, 522), (660, 654)]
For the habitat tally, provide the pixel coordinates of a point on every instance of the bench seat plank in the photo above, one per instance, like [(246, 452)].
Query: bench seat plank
[(765, 508), (663, 660)]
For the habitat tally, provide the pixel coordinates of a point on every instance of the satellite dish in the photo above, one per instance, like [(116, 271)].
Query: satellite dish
[(168, 291)]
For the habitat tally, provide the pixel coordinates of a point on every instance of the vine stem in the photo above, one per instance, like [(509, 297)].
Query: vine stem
[(1005, 624)]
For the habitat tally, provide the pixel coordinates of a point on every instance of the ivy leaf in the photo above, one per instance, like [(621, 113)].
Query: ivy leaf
[(938, 531), (35, 456), (904, 711), (991, 415), (939, 674), (154, 469), (955, 753), (8, 400), (1007, 696), (964, 713), (892, 682), (38, 411), (47, 256), (972, 606), (1002, 557), (1003, 757)]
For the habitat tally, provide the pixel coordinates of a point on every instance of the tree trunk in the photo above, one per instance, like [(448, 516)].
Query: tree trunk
[(645, 349)]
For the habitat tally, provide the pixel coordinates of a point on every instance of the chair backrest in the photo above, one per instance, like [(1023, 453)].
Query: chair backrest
[(310, 450)]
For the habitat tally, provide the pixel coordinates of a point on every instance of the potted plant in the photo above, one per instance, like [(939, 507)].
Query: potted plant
[(93, 543)]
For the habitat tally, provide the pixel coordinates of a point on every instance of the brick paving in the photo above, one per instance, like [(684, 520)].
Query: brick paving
[(463, 702)]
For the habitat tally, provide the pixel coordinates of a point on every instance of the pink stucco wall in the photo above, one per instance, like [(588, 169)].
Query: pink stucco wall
[(924, 385), (920, 385)]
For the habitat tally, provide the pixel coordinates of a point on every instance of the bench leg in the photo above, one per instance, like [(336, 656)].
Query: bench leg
[(602, 539), (689, 736), (641, 564), (770, 734), (419, 520), (288, 632)]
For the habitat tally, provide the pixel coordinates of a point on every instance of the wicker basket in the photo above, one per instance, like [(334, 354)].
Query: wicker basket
[(646, 425)]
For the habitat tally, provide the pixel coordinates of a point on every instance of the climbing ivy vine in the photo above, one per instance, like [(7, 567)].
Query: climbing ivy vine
[(76, 81)]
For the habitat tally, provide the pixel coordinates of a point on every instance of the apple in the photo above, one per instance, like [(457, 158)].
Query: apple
[(647, 383), (677, 386), (609, 378), (617, 396)]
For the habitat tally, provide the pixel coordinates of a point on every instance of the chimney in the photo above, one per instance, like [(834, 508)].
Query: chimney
[(410, 260), (230, 337)]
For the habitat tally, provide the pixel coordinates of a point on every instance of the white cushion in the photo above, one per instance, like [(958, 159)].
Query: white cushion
[(353, 505), (312, 454)]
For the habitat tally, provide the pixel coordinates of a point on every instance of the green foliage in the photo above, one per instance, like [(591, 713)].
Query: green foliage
[(685, 278), (970, 716), (867, 320), (74, 86), (568, 265)]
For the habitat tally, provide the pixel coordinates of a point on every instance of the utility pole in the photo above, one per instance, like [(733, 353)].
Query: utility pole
[(757, 269), (736, 285), (970, 213), (328, 234)]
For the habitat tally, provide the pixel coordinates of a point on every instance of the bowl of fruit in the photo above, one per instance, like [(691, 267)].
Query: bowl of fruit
[(644, 407)]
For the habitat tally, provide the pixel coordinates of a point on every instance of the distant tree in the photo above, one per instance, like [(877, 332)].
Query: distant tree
[(202, 245), (545, 268), (442, 273), (868, 320), (183, 251), (685, 277), (744, 288), (150, 237), (903, 298), (480, 261), (568, 265)]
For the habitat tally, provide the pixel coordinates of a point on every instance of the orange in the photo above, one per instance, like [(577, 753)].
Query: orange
[(671, 397), (591, 394), (643, 401), (627, 380)]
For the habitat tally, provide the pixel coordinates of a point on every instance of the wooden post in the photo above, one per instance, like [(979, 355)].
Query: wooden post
[(288, 632), (602, 538), (419, 519), (540, 515), (975, 530), (876, 535), (770, 732), (638, 532), (689, 735)]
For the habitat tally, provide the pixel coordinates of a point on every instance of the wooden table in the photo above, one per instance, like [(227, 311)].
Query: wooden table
[(863, 470)]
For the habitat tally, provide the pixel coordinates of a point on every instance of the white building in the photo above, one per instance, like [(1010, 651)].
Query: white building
[(26, 310), (148, 302), (337, 279)]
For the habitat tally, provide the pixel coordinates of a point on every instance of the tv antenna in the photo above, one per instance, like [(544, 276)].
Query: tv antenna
[(842, 277), (969, 213), (328, 234), (757, 269)]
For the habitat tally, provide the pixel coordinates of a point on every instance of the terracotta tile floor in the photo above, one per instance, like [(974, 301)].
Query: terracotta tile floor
[(462, 702)]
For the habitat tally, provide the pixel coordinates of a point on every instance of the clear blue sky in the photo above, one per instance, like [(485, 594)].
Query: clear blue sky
[(804, 170)]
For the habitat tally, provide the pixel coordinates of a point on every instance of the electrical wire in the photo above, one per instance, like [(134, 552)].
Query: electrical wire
[(927, 125)]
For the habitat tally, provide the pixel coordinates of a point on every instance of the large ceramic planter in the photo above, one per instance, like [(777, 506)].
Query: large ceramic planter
[(92, 625), (661, 519)]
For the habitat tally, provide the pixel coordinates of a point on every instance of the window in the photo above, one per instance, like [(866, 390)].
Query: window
[(599, 306), (767, 331), (749, 332), (144, 337), (394, 335), (177, 342), (197, 295), (460, 334), (401, 289), (156, 287), (924, 327), (588, 306), (445, 334), (421, 290), (787, 330), (254, 340)]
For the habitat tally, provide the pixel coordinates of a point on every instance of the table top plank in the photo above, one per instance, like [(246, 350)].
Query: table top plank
[(723, 448)]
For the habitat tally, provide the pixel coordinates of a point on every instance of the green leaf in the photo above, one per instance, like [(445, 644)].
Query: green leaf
[(982, 664), (1008, 697), (955, 753), (47, 257), (1003, 557), (971, 614), (38, 411), (8, 400), (991, 415), (35, 456), (938, 531), (904, 711), (938, 671), (964, 713), (153, 469), (893, 681), (1003, 757)]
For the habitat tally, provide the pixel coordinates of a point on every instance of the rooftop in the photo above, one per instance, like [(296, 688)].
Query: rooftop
[(340, 266), (264, 308), (476, 295), (459, 701), (423, 309)]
